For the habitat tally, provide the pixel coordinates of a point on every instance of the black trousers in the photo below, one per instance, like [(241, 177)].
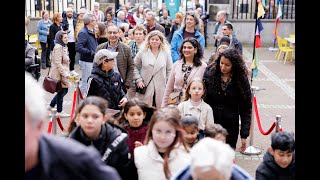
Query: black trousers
[(72, 54), (45, 53)]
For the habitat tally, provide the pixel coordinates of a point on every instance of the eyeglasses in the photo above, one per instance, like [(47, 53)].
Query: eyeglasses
[(166, 134), (113, 32), (107, 60)]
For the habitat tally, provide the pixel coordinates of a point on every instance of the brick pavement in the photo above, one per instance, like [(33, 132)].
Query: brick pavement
[(276, 78)]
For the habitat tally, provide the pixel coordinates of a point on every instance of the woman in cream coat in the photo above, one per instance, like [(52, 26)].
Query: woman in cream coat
[(153, 61), (60, 70)]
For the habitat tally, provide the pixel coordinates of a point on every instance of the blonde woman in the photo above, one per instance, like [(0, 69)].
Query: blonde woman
[(152, 68)]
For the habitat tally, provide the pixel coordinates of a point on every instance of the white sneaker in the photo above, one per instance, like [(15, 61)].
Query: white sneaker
[(49, 108), (74, 73), (63, 114)]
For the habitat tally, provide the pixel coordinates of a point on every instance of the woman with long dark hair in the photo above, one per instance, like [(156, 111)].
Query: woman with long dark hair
[(184, 70), (229, 95)]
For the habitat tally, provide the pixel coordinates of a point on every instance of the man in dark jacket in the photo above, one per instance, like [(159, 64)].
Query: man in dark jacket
[(279, 161), (50, 157), (86, 46)]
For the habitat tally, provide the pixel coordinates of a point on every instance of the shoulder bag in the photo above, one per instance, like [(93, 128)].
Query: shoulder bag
[(51, 85)]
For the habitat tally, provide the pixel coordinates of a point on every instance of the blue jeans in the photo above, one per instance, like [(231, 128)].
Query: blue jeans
[(58, 99), (86, 68)]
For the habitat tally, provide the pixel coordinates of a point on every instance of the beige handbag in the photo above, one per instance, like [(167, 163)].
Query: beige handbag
[(174, 98)]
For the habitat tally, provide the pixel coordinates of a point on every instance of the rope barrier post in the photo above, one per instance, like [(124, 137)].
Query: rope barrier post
[(54, 121), (278, 123), (252, 150)]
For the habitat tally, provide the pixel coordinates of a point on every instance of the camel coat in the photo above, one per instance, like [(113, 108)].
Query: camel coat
[(60, 65), (146, 66)]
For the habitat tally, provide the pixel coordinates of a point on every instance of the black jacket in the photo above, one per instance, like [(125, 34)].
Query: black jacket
[(59, 161), (107, 85), (120, 157), (270, 170), (227, 105)]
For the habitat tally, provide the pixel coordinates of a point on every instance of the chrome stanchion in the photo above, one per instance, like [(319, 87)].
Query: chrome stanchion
[(278, 123), (252, 150), (78, 92), (54, 122)]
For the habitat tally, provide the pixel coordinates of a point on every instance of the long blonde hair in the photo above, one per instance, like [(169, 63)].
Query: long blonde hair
[(164, 43)]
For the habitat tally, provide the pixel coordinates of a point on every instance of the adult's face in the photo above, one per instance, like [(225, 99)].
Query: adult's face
[(138, 36), (188, 50), (150, 20), (109, 17), (113, 34), (96, 8), (165, 14), (219, 17), (69, 14), (190, 22), (46, 15), (65, 38), (225, 65), (225, 31), (155, 42), (140, 9)]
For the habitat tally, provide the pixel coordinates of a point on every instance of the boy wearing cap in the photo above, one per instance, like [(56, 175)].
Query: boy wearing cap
[(105, 82)]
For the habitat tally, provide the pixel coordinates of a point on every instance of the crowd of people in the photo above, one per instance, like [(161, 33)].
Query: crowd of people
[(179, 114)]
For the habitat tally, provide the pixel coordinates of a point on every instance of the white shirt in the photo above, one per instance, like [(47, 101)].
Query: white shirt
[(71, 29)]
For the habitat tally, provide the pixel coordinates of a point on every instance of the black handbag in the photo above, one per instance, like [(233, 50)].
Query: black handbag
[(51, 85), (144, 89)]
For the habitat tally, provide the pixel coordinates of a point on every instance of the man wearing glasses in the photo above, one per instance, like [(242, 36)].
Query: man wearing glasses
[(123, 64)]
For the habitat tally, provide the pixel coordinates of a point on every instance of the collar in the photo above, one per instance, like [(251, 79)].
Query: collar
[(108, 44)]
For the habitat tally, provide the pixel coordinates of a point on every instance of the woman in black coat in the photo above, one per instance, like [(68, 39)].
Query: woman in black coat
[(229, 95)]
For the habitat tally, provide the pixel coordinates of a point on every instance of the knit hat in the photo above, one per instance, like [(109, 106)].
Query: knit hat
[(103, 55)]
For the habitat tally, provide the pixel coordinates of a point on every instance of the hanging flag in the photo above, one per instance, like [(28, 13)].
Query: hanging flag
[(264, 3), (279, 14), (254, 65), (261, 11), (258, 31)]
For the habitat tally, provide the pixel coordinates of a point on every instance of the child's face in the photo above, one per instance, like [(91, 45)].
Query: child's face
[(196, 91), (163, 134), (107, 66), (282, 158), (135, 116), (190, 134), (220, 137), (90, 119)]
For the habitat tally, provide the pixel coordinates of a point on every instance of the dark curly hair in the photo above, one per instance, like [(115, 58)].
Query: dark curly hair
[(198, 56), (239, 69)]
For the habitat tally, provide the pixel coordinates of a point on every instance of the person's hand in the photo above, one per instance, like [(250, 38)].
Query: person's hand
[(218, 37), (123, 102), (243, 144), (137, 144), (140, 84)]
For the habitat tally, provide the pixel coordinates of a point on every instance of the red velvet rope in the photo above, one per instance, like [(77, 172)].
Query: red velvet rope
[(80, 94), (60, 124), (258, 118), (50, 126), (73, 107)]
